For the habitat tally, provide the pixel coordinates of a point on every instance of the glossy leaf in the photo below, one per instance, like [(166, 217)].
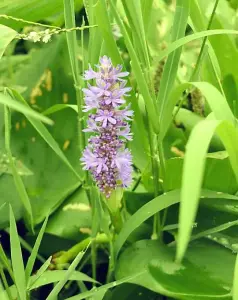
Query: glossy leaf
[(6, 36)]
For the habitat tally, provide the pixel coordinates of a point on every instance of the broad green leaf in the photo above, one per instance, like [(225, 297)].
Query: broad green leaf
[(172, 63), (57, 275), (32, 258), (6, 36), (33, 10), (45, 134), (73, 218), (17, 259), (6, 100), (192, 181), (58, 287), (17, 179), (218, 175), (198, 278)]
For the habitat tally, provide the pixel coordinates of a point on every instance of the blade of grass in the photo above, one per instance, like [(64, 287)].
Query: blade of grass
[(17, 178), (193, 170), (192, 37), (5, 262), (105, 287), (6, 100), (215, 99), (57, 275), (58, 107), (45, 134), (6, 36), (102, 18), (235, 281), (172, 63), (151, 108), (68, 273), (34, 279), (69, 15), (32, 258), (16, 257)]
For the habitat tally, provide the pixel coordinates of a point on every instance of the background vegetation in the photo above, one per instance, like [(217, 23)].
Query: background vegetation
[(178, 238)]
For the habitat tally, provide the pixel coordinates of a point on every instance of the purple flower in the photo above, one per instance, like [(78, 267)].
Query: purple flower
[(106, 157)]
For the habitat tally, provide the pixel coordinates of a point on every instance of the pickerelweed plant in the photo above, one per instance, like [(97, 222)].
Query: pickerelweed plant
[(106, 156)]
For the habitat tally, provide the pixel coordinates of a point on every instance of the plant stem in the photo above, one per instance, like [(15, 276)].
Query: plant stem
[(111, 262), (155, 171), (4, 280), (67, 256)]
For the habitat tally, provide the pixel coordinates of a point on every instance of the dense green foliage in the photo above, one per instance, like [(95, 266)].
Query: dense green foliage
[(173, 233)]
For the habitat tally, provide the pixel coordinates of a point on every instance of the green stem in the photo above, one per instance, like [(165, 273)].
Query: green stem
[(4, 280), (155, 171), (111, 262), (67, 256), (94, 260)]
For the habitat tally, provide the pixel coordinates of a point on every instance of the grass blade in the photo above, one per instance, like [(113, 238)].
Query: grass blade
[(45, 134), (68, 273), (137, 70), (55, 276), (6, 36), (193, 170), (192, 37), (105, 28), (105, 287), (6, 100), (235, 281), (145, 212), (215, 99), (171, 66), (16, 257), (34, 279), (58, 107), (32, 258), (17, 178)]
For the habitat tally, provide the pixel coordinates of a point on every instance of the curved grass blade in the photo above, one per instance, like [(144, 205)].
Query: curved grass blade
[(17, 178), (27, 111), (145, 212), (193, 170), (58, 107), (54, 293), (45, 134), (34, 279), (192, 37), (215, 99), (57, 275), (6, 36), (16, 257), (32, 258), (105, 287)]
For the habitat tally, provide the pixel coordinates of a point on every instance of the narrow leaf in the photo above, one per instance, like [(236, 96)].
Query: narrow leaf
[(6, 36), (32, 258), (16, 257), (54, 293), (6, 100)]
